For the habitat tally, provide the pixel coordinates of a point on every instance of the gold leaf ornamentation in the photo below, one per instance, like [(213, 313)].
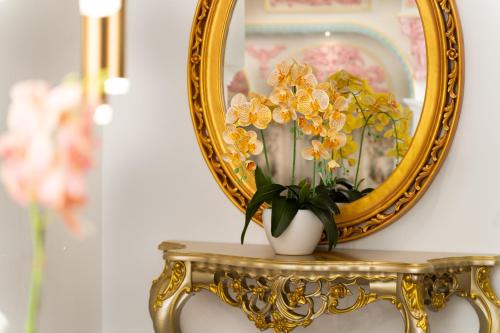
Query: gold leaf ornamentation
[(412, 296), (438, 289), (483, 282), (175, 272), (283, 303)]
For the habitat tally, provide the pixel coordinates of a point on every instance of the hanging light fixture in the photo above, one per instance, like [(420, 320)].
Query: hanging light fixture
[(99, 8), (4, 323), (116, 83), (103, 49), (103, 115)]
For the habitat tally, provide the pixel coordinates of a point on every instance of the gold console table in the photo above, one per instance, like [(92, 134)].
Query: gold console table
[(283, 292)]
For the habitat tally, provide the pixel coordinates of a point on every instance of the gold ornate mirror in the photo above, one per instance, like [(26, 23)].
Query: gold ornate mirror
[(409, 50)]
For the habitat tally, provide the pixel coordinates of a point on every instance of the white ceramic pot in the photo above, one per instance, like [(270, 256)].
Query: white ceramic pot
[(300, 238)]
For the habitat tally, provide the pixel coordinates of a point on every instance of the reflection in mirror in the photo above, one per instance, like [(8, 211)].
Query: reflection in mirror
[(380, 42)]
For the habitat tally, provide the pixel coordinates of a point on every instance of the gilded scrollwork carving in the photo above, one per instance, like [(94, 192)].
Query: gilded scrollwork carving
[(283, 303), (411, 289), (175, 274), (438, 288), (484, 284), (480, 294)]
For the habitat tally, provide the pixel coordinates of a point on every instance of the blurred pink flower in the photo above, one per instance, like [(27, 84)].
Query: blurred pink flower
[(47, 149)]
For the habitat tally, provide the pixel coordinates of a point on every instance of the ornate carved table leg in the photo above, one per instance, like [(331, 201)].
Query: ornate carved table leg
[(484, 300), (410, 295), (168, 295)]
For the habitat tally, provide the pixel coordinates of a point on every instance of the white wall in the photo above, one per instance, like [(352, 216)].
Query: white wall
[(40, 39), (157, 187)]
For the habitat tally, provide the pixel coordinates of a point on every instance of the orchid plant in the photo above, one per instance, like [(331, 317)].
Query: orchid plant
[(47, 152), (324, 115)]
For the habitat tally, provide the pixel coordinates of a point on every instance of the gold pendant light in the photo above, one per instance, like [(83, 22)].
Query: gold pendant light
[(103, 48)]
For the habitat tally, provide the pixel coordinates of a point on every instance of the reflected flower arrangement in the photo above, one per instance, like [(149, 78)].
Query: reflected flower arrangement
[(324, 115)]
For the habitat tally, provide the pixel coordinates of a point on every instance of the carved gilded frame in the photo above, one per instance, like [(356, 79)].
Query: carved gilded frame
[(427, 152)]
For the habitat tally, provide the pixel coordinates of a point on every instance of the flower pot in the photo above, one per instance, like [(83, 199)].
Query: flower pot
[(300, 238)]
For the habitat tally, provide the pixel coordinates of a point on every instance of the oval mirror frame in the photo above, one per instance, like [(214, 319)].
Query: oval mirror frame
[(433, 137)]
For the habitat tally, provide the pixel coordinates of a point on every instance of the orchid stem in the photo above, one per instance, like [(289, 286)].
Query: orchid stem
[(314, 178), (361, 151), (265, 153), (294, 150), (38, 235)]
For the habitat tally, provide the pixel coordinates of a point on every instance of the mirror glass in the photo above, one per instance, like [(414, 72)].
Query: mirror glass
[(379, 42)]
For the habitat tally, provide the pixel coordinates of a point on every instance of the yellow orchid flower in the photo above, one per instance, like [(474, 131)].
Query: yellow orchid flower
[(245, 142), (314, 127), (240, 106), (400, 151), (281, 74), (260, 99), (281, 95), (332, 165), (311, 104), (380, 122), (347, 83), (353, 122), (402, 129), (250, 165), (340, 103), (233, 157), (284, 114), (337, 120), (260, 115), (349, 148), (302, 76), (245, 113), (315, 152), (335, 139)]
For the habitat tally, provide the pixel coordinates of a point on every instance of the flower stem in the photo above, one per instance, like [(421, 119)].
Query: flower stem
[(396, 138), (265, 153), (294, 151), (314, 178), (361, 141), (38, 237)]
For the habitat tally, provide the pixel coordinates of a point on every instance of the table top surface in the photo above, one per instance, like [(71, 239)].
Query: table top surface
[(340, 260)]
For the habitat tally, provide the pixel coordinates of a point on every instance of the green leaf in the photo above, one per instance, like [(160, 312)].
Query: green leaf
[(323, 201), (284, 210), (352, 195), (322, 189), (293, 190), (260, 178), (359, 183), (264, 194), (302, 182), (366, 191), (305, 190), (328, 220), (338, 196), (344, 182)]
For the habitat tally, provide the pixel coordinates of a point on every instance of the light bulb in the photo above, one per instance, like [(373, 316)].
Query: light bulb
[(99, 8), (117, 86), (103, 114), (328, 33), (4, 323)]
